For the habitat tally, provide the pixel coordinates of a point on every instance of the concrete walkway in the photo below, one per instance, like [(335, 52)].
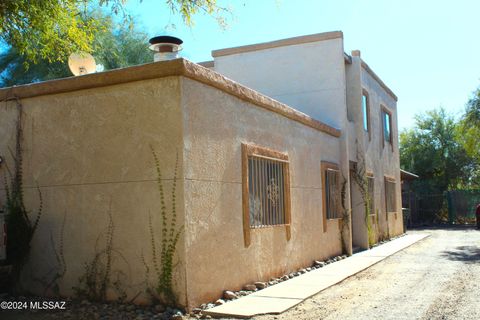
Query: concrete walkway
[(283, 296)]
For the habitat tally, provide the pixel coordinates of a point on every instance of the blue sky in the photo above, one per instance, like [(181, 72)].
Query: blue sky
[(425, 51)]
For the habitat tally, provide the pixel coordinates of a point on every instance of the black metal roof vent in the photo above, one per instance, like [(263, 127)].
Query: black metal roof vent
[(165, 47)]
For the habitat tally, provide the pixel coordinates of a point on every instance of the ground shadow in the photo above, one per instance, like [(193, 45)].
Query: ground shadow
[(445, 227), (466, 254)]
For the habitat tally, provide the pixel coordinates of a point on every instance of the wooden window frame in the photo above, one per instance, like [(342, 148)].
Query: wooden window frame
[(385, 110), (368, 119), (371, 176), (373, 214), (324, 166), (250, 150), (391, 180)]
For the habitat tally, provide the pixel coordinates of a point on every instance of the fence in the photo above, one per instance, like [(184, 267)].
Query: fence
[(462, 205), (453, 207)]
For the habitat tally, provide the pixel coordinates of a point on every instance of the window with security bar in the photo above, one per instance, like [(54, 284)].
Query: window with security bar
[(266, 191), (390, 198), (371, 194), (266, 194), (331, 192)]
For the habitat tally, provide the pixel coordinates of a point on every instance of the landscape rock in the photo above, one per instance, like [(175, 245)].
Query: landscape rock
[(250, 287), (219, 302), (196, 310), (260, 285), (229, 295)]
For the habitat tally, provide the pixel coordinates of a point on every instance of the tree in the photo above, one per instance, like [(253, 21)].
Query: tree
[(50, 30), (115, 46), (431, 150), (47, 30), (470, 126)]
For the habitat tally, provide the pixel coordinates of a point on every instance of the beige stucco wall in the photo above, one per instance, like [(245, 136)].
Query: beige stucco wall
[(89, 153), (307, 76), (215, 125), (383, 158), (355, 145), (380, 159)]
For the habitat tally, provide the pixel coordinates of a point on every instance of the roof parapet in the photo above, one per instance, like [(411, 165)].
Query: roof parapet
[(358, 54), (176, 67), (279, 43)]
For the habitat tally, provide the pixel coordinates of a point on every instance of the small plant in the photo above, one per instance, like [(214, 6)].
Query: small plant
[(97, 279), (359, 176), (20, 228), (51, 279), (170, 235)]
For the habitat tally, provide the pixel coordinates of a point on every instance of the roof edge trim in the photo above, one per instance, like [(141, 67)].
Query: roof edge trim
[(177, 67), (278, 43)]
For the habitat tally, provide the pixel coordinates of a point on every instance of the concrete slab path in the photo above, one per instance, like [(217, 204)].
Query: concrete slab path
[(285, 295)]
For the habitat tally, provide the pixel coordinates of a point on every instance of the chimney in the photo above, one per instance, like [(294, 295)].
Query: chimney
[(165, 47)]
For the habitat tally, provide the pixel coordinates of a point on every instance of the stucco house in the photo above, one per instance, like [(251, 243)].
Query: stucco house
[(269, 139)]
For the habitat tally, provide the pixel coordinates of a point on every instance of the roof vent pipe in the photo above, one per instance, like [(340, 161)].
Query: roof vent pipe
[(165, 47)]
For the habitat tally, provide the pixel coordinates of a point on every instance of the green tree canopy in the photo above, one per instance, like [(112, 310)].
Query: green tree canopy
[(114, 46), (469, 133), (432, 150), (52, 29)]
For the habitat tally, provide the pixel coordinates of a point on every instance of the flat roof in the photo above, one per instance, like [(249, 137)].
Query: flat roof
[(408, 175), (176, 67)]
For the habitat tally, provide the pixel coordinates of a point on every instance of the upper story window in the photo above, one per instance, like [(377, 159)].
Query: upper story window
[(331, 192), (366, 112), (266, 189), (387, 125)]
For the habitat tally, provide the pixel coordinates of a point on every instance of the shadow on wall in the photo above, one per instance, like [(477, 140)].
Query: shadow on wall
[(466, 254)]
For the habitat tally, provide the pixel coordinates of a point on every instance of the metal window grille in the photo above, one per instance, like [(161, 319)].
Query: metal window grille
[(371, 193), (332, 193), (390, 196), (266, 191)]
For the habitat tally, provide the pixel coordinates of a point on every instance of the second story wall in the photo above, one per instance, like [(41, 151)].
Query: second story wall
[(373, 136), (306, 73)]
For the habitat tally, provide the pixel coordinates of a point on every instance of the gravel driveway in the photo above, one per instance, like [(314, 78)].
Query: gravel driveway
[(437, 278)]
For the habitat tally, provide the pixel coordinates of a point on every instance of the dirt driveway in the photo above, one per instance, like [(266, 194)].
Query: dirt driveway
[(437, 278)]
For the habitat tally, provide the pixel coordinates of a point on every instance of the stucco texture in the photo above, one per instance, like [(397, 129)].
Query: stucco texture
[(308, 76), (381, 158), (89, 153), (215, 126)]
